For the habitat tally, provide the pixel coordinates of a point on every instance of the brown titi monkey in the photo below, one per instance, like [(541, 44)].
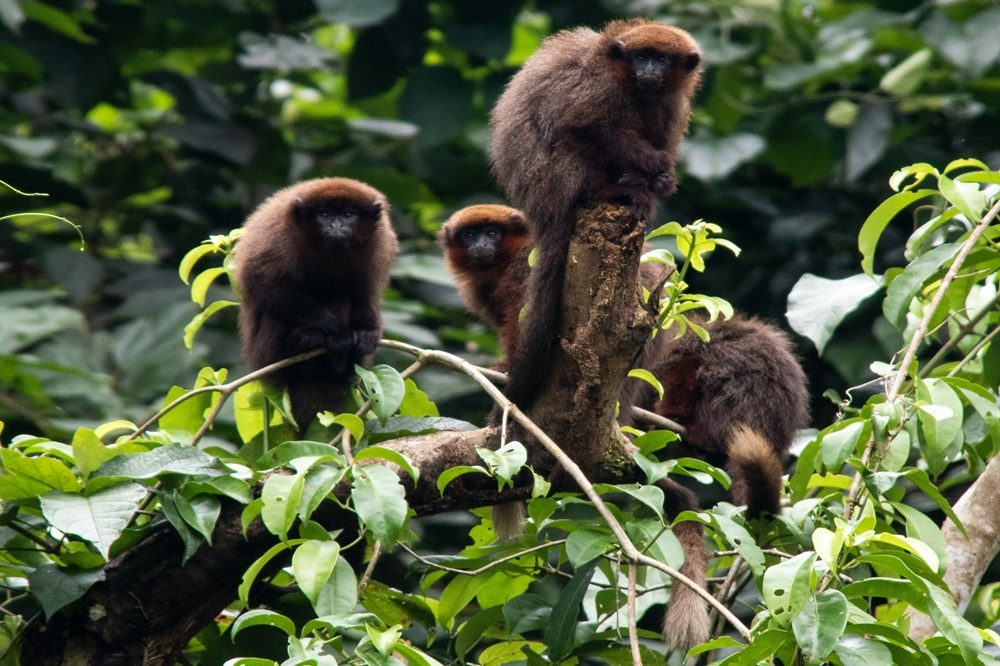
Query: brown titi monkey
[(590, 116), (311, 268), (486, 248), (741, 397)]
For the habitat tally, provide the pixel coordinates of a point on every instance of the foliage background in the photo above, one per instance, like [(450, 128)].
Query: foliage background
[(154, 125)]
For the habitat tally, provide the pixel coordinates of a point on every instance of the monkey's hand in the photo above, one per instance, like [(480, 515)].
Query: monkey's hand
[(307, 338), (633, 179), (365, 342), (663, 182)]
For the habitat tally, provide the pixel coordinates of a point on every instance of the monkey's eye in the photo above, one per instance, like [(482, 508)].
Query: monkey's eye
[(492, 233), (467, 235)]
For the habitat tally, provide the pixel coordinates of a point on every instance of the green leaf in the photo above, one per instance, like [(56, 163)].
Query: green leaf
[(199, 320), (839, 442), (170, 459), (561, 630), (919, 526), (651, 496), (352, 422), (199, 288), (457, 594), (380, 501), (340, 594), (382, 453), (191, 539), (891, 588), (262, 617), (29, 476), (966, 197), (453, 473), (55, 588), (254, 570), (904, 79), (908, 284), (286, 452), (649, 378), (98, 519), (952, 625), (506, 461), (879, 219), (313, 563), (939, 410), (858, 651), (357, 13), (584, 545), (816, 305), (200, 512), (281, 495), (738, 537), (192, 257), (89, 452), (708, 156), (787, 586), (384, 387), (761, 647), (416, 403), (820, 624)]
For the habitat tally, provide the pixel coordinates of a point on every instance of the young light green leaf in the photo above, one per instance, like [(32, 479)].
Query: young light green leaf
[(922, 528), (89, 452), (199, 288), (339, 596), (384, 387), (254, 570), (192, 258), (30, 476), (354, 424), (859, 651), (738, 537), (906, 77), (839, 442), (415, 403), (199, 319), (505, 462), (453, 473), (649, 378), (457, 594)]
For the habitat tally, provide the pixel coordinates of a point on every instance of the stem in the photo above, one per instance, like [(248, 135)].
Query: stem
[(485, 567), (633, 631), (974, 351), (574, 471), (955, 339)]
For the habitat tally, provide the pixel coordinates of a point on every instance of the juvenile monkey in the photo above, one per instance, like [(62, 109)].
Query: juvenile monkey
[(486, 248), (311, 268), (591, 116)]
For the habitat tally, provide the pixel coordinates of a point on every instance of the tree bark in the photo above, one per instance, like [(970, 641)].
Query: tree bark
[(149, 606), (968, 557)]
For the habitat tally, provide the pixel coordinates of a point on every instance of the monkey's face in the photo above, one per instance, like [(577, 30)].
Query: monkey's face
[(481, 243), (337, 223), (653, 68)]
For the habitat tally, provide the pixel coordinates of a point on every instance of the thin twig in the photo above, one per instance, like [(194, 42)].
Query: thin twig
[(485, 567), (574, 471), (225, 389), (47, 543), (974, 351), (916, 340), (633, 629), (376, 553), (652, 418), (953, 341)]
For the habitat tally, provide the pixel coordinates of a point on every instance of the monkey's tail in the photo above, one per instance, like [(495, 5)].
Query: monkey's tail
[(540, 328), (686, 622), (313, 395), (508, 521), (756, 471)]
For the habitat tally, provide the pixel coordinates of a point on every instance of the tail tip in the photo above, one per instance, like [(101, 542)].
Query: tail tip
[(686, 622)]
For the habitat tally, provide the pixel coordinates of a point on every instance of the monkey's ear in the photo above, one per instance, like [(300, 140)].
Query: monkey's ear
[(617, 50), (517, 221), (691, 61), (376, 209)]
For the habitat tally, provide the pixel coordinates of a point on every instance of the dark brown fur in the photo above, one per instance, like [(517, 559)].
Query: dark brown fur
[(577, 124), (303, 289), (741, 397), (491, 286)]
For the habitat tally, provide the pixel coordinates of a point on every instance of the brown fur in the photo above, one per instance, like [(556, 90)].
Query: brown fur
[(577, 124), (492, 286), (741, 397), (303, 291)]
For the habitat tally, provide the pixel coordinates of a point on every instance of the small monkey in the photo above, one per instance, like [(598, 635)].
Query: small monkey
[(592, 116), (486, 248), (311, 268)]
